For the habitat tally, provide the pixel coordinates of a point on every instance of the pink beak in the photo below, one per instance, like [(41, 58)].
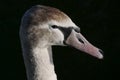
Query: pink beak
[(78, 41)]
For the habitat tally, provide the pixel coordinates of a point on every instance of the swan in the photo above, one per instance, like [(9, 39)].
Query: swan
[(42, 27)]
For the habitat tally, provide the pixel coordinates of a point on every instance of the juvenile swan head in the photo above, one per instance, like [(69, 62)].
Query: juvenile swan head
[(43, 26)]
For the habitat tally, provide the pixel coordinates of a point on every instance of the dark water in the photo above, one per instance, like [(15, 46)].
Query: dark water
[(98, 23)]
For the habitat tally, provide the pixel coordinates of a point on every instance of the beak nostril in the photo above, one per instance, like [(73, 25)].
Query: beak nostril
[(101, 51), (81, 41)]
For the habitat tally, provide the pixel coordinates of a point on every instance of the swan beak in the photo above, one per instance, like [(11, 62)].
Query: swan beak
[(78, 41)]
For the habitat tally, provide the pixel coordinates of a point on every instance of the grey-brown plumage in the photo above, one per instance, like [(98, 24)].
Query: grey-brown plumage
[(40, 14)]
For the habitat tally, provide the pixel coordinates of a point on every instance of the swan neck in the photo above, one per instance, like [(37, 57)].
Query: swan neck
[(39, 64)]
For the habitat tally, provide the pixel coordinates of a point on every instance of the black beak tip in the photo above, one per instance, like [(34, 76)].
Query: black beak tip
[(101, 51)]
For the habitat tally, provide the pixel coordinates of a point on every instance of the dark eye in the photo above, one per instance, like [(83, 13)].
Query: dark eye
[(54, 26)]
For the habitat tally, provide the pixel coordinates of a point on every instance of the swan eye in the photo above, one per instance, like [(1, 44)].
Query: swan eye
[(54, 26)]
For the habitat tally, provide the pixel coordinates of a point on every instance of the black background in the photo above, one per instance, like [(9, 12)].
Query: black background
[(98, 22)]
